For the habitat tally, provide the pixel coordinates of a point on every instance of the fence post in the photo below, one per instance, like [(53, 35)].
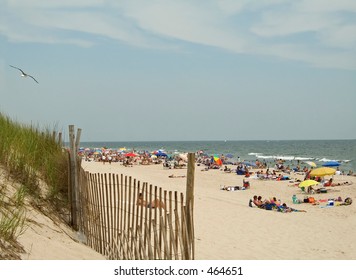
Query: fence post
[(60, 139), (189, 202), (77, 182), (74, 179)]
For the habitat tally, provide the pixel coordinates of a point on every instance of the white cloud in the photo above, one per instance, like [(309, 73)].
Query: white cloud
[(343, 37), (53, 3), (329, 6), (313, 31), (183, 21), (284, 23)]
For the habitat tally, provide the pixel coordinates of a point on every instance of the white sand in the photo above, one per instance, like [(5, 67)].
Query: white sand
[(226, 228), (45, 239)]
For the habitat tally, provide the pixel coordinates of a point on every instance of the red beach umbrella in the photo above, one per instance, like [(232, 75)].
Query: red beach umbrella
[(130, 154)]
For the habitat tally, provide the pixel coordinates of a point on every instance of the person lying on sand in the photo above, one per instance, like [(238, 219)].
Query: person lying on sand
[(227, 170), (286, 209), (330, 183), (156, 203), (176, 176), (348, 201), (232, 188), (271, 204)]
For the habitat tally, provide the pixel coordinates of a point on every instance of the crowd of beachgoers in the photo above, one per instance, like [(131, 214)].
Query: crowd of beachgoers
[(177, 160), (256, 169), (226, 186)]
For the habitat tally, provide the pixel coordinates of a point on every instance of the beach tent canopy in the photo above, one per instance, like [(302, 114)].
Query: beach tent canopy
[(331, 163)]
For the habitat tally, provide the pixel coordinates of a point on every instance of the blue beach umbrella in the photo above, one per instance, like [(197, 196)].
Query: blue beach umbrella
[(161, 154), (229, 155), (331, 163)]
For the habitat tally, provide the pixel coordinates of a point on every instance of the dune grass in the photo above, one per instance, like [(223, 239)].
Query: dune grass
[(32, 157), (12, 214)]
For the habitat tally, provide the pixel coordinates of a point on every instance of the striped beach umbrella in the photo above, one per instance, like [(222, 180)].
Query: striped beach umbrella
[(217, 160)]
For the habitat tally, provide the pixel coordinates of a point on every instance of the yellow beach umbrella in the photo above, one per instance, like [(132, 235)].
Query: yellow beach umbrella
[(311, 163), (308, 183), (322, 171)]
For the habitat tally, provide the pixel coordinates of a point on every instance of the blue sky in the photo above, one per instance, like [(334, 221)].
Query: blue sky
[(141, 70)]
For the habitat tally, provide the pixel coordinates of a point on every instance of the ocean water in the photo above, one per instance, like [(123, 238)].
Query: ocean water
[(318, 151)]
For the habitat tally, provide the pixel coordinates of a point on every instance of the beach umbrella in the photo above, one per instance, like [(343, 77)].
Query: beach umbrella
[(322, 171), (308, 183), (160, 154), (217, 160), (311, 163), (331, 163), (229, 155), (130, 154)]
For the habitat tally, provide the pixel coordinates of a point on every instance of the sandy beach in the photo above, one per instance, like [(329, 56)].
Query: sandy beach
[(226, 228), (45, 237)]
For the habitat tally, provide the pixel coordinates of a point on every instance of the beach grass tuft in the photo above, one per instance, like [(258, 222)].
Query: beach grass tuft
[(33, 158)]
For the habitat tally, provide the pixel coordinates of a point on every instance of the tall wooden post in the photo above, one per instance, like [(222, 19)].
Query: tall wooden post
[(74, 179), (77, 170), (73, 218), (190, 199), (60, 139)]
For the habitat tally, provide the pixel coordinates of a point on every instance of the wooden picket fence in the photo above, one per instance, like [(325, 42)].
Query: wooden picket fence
[(115, 222)]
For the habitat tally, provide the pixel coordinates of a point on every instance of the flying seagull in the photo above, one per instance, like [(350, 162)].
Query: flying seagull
[(23, 74)]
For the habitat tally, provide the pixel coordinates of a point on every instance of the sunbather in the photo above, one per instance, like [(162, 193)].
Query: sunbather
[(329, 183), (275, 201), (287, 209), (246, 184), (176, 176), (156, 203), (348, 201), (232, 188), (255, 201), (227, 170)]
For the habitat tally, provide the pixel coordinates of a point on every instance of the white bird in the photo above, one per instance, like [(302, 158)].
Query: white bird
[(23, 74)]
